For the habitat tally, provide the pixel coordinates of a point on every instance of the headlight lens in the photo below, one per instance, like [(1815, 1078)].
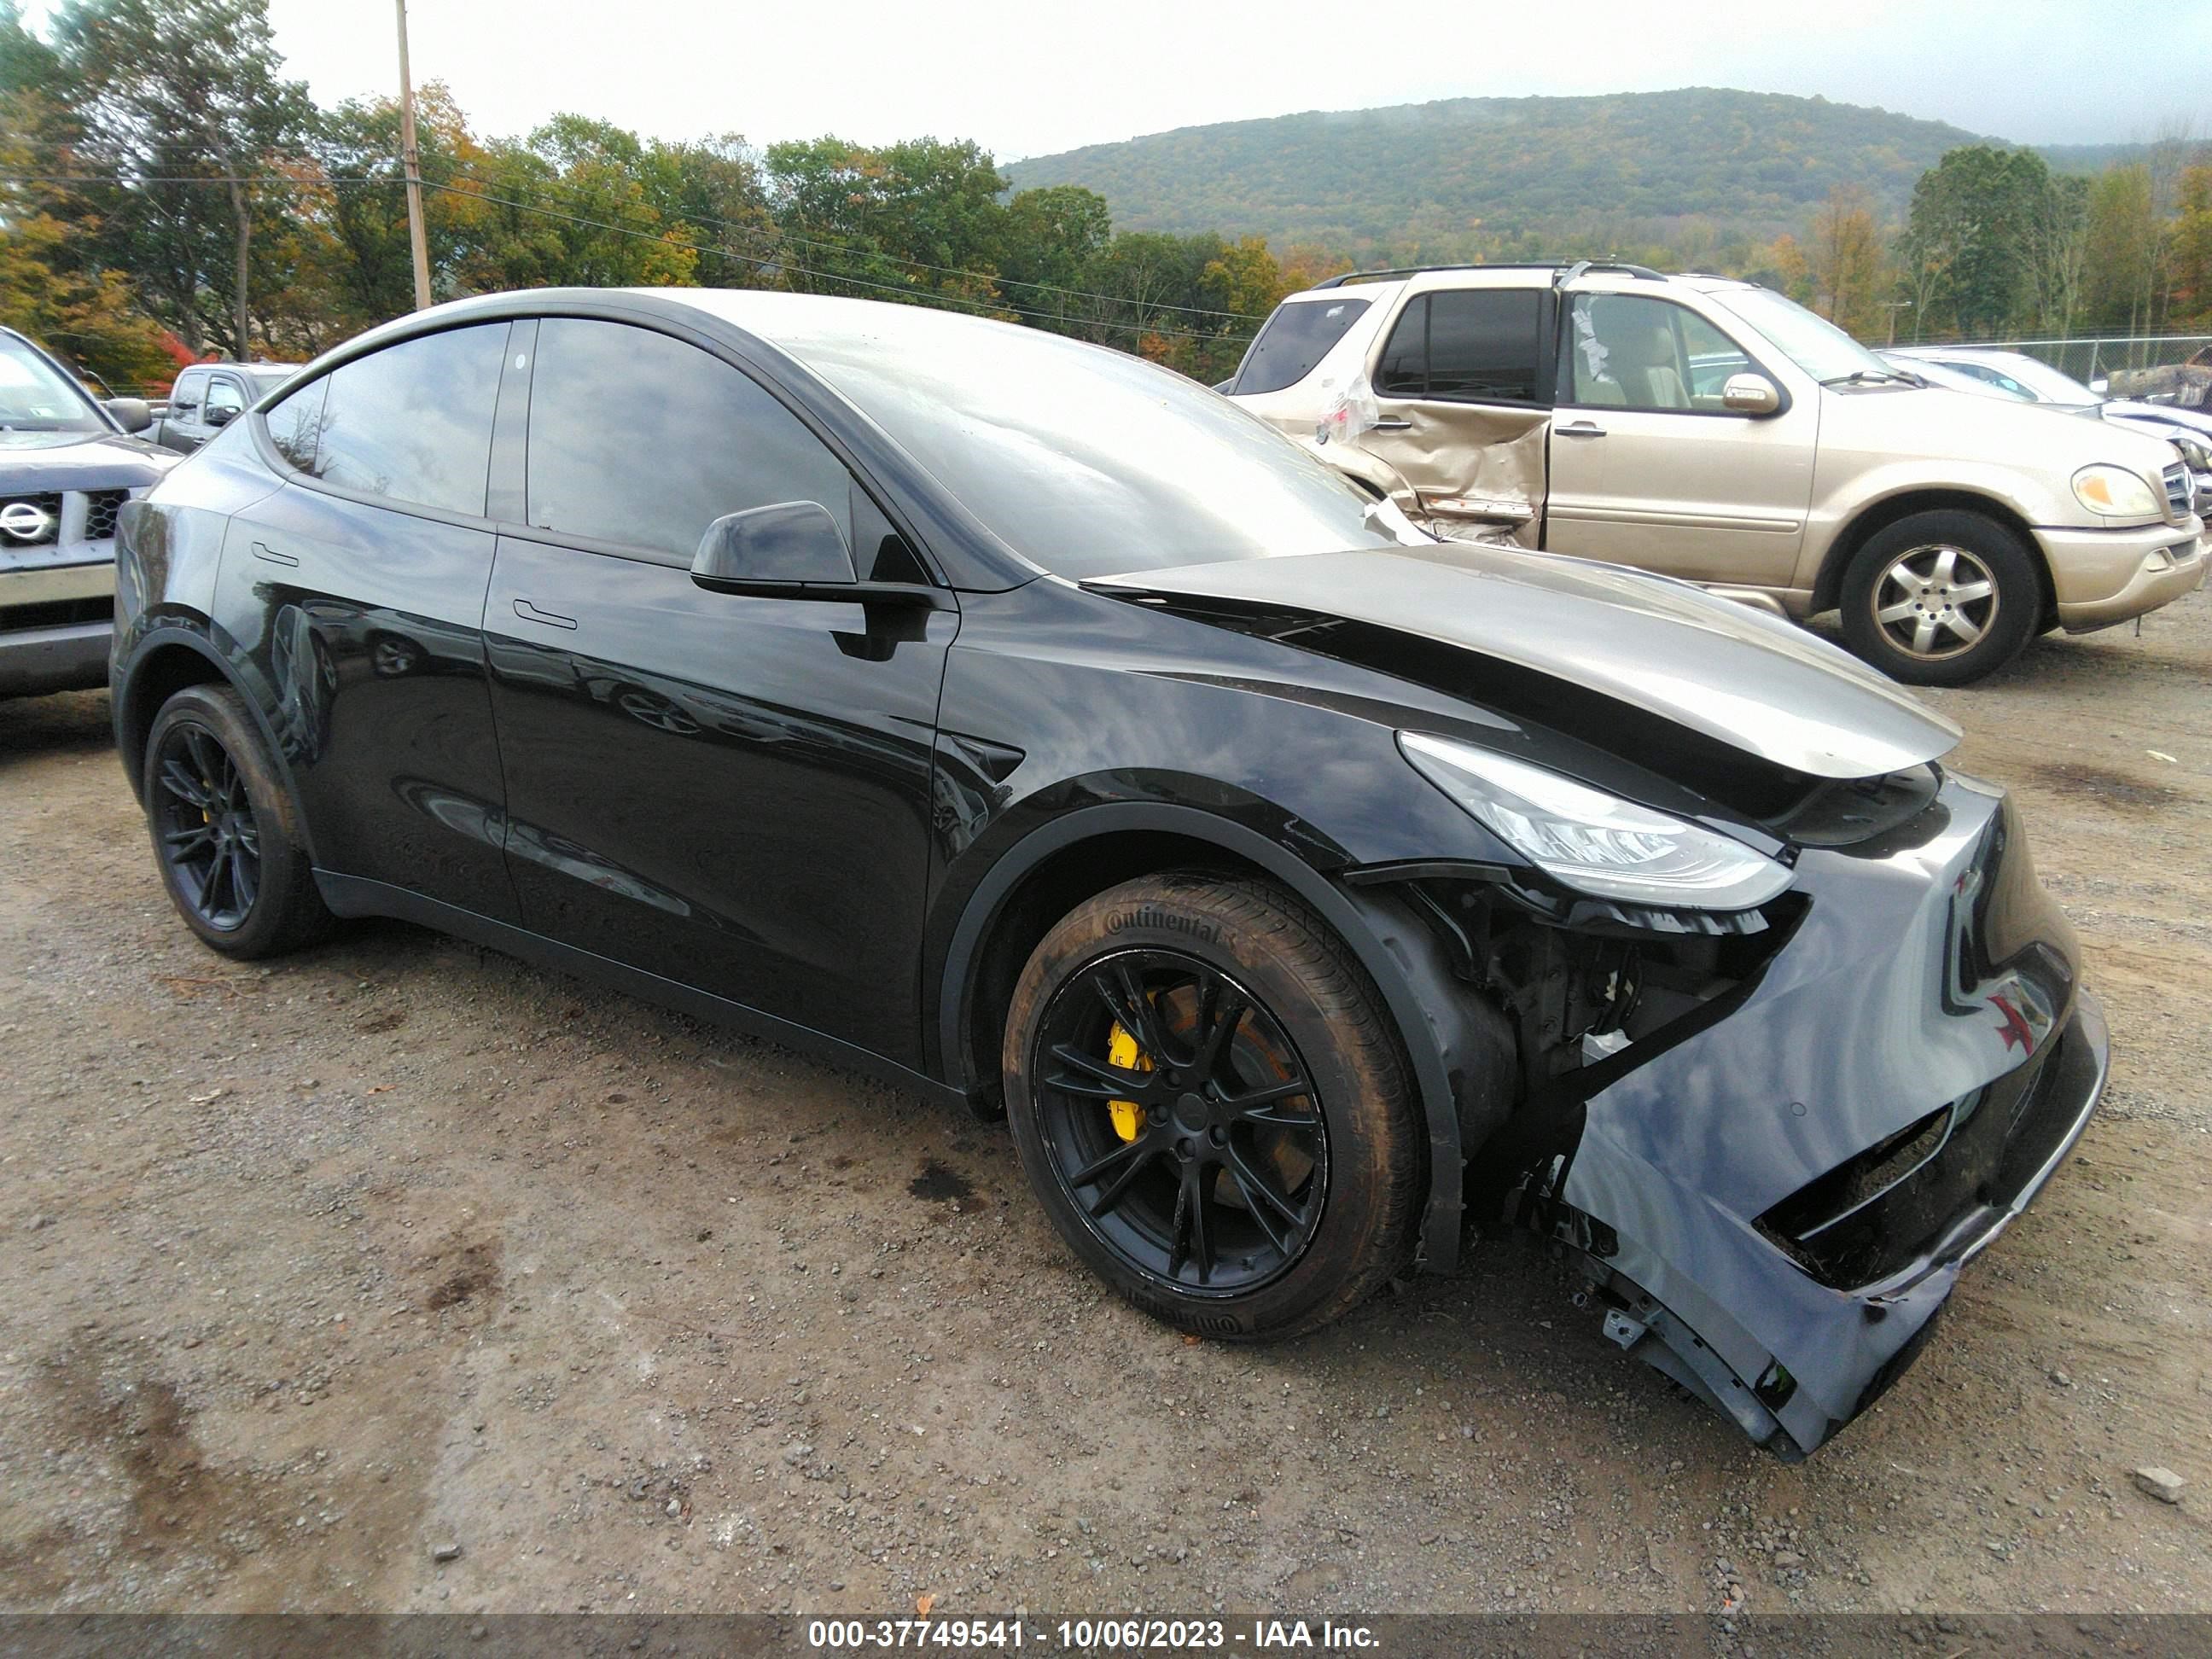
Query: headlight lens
[(1594, 842), (2113, 492), (2194, 454)]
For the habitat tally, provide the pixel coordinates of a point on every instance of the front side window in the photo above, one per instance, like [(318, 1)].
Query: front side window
[(224, 398), (643, 441), (1474, 345), (1631, 351), (1297, 337), (412, 423)]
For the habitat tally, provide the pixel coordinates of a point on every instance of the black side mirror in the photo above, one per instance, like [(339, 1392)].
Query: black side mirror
[(222, 416), (130, 413), (792, 550)]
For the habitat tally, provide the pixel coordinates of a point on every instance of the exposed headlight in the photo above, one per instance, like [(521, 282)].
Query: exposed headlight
[(2194, 454), (1594, 842), (2113, 492)]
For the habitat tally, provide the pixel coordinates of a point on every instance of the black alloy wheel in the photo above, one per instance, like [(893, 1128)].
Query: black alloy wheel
[(205, 827), (1213, 1105), (225, 830), (1176, 1113)]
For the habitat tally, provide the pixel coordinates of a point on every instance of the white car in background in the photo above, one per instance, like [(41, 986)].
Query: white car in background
[(1994, 374)]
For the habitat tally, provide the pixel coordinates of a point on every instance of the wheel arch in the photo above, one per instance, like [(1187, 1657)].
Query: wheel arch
[(1059, 865), (1877, 516), (163, 663)]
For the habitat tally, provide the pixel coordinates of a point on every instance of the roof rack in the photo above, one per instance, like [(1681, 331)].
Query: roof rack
[(1577, 271), (1562, 273), (1417, 270)]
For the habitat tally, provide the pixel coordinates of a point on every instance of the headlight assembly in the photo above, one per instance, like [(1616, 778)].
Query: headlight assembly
[(2113, 492), (1594, 842)]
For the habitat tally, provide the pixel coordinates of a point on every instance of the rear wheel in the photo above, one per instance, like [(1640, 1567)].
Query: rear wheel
[(225, 833), (1941, 598), (1214, 1106)]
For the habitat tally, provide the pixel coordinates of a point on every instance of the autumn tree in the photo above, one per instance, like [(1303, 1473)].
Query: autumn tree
[(1844, 262)]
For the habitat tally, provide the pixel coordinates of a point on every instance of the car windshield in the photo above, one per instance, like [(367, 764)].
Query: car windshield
[(38, 402), (1086, 461), (1298, 336), (1813, 343), (2048, 385)]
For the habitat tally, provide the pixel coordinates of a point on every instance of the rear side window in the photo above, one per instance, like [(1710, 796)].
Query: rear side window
[(412, 423), (295, 424), (1476, 345), (185, 394), (641, 439), (1296, 337)]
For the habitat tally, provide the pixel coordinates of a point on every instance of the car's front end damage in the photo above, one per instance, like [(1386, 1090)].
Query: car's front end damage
[(1773, 1143), (1773, 1123)]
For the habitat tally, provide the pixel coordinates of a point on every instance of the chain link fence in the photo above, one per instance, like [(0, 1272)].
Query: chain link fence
[(2104, 356)]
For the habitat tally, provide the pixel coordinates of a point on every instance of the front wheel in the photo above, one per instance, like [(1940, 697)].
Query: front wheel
[(1941, 598), (1214, 1106)]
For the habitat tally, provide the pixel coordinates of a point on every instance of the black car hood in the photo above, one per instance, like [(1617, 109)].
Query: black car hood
[(1753, 681), (91, 460)]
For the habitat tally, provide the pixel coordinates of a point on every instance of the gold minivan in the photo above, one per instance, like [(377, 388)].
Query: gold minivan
[(1714, 430)]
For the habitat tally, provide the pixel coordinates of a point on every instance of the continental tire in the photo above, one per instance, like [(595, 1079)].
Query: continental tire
[(1214, 1107)]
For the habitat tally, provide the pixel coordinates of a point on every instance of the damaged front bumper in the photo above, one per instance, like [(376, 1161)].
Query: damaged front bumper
[(1774, 1208)]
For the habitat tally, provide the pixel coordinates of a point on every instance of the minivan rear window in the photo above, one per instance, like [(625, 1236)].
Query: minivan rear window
[(1296, 337)]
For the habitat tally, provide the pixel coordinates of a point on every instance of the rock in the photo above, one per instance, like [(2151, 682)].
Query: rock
[(796, 1453), (2162, 1484), (445, 1552), (675, 1507), (1784, 1559)]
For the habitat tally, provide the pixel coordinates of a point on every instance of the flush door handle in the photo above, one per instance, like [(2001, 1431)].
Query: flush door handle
[(529, 613), (263, 550)]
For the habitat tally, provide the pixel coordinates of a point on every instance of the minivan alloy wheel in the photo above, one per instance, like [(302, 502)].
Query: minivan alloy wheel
[(1179, 1117), (206, 827), (1935, 601)]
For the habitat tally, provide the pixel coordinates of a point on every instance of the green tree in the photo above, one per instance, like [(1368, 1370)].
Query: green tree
[(2122, 250), (1047, 242), (1968, 244), (920, 218), (191, 90)]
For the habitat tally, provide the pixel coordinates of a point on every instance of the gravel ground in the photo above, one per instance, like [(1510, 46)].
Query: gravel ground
[(400, 1276)]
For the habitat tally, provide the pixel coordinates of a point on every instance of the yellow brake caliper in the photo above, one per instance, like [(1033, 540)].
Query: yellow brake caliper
[(1122, 1050)]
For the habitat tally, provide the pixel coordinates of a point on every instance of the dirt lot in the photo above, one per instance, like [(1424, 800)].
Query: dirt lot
[(308, 1271)]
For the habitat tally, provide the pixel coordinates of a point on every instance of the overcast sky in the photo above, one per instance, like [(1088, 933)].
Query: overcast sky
[(1031, 78)]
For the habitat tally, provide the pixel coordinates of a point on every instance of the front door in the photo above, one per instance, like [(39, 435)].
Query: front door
[(1462, 392), (730, 792), (1649, 469)]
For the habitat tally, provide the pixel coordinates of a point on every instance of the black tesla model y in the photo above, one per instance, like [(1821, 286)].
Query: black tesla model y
[(1020, 722)]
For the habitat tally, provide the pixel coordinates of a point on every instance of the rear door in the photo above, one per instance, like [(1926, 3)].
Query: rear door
[(1650, 469), (358, 589), (1462, 389)]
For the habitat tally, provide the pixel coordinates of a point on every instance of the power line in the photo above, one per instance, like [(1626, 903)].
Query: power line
[(777, 236)]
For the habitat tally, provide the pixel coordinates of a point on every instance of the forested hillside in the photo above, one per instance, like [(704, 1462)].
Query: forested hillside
[(1462, 175)]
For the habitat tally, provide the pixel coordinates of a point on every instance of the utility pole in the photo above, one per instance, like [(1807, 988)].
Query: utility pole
[(411, 158)]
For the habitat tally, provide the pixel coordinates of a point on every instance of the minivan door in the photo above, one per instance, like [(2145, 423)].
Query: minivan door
[(1650, 468), (1462, 392)]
